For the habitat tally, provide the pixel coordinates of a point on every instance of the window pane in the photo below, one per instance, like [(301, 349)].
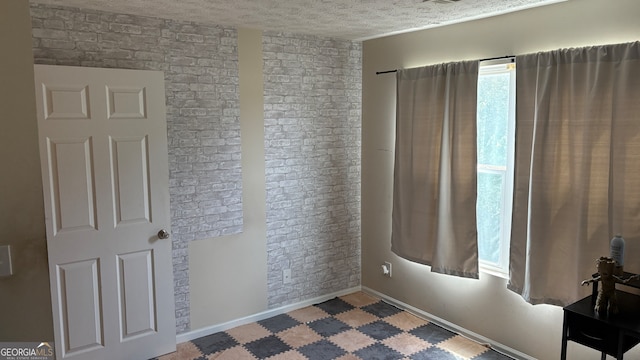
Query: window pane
[(493, 116), (496, 132), (489, 208)]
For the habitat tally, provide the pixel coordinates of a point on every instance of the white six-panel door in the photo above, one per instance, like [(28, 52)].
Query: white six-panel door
[(103, 149)]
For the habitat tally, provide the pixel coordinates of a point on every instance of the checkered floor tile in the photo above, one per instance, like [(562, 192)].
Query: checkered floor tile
[(352, 327)]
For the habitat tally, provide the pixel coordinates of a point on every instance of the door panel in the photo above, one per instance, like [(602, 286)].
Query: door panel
[(66, 102), (130, 164), (127, 103), (103, 146), (80, 308), (137, 307), (72, 192)]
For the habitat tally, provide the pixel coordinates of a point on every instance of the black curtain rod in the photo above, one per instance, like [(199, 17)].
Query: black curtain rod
[(487, 59), (385, 72)]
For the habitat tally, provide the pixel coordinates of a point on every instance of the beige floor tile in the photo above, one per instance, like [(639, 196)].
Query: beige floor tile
[(298, 336), (462, 346), (405, 321), (308, 314), (406, 344), (352, 340), (356, 317), (184, 351), (359, 299), (235, 353), (247, 333)]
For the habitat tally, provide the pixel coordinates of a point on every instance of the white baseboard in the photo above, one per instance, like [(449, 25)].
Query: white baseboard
[(450, 326), (191, 335)]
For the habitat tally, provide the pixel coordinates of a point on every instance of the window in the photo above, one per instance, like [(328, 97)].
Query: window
[(496, 138)]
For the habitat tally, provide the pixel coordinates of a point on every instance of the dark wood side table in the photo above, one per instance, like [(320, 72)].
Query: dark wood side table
[(610, 334)]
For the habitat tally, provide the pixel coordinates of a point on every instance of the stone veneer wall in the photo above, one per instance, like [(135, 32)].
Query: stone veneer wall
[(201, 79), (312, 89)]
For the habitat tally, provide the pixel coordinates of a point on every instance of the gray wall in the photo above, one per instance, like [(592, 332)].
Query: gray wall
[(308, 139), (201, 80), (300, 152), (484, 306), (312, 95), (228, 274), (25, 305)]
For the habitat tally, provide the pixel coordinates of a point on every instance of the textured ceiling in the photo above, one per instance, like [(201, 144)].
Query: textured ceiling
[(345, 19)]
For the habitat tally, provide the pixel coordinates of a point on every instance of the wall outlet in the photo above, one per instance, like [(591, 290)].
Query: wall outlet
[(286, 276), (5, 261), (386, 269)]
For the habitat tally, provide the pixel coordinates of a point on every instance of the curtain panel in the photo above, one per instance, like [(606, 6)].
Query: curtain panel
[(434, 191), (577, 168)]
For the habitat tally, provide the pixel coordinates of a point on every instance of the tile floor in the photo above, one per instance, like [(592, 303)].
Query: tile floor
[(352, 327)]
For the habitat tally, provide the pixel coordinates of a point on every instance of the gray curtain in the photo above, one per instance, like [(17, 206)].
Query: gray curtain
[(577, 167), (434, 191)]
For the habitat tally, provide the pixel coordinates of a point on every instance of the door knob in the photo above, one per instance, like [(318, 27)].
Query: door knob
[(163, 234)]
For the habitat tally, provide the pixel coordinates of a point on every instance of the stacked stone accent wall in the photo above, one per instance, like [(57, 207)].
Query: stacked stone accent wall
[(312, 138), (201, 79), (312, 89)]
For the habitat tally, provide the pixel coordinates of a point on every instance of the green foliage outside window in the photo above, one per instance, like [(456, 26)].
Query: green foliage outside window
[(492, 122)]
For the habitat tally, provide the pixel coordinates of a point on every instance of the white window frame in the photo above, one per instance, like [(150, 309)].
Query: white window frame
[(501, 269)]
